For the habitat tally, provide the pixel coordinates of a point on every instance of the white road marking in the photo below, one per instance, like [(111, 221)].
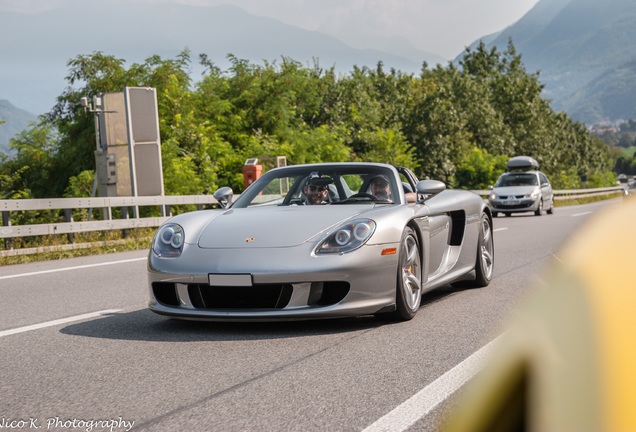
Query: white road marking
[(500, 229), (58, 321), (581, 214), (71, 268), (424, 401)]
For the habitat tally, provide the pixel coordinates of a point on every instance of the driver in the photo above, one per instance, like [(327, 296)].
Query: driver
[(316, 189)]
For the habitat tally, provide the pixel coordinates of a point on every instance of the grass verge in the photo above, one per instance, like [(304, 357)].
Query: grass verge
[(57, 247)]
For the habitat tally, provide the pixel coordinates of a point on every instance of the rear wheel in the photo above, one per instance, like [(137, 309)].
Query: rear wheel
[(551, 209), (409, 278), (485, 253)]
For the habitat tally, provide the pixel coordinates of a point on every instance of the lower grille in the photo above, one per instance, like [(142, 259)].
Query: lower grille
[(263, 296), (275, 296), (516, 206)]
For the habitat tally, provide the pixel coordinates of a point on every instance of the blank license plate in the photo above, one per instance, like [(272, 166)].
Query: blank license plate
[(230, 279)]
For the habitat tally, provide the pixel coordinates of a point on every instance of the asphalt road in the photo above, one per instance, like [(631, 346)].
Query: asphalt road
[(80, 351)]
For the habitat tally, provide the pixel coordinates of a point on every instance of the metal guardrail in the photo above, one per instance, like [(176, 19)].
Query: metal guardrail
[(107, 222), (127, 208), (566, 194), (125, 204), (586, 193)]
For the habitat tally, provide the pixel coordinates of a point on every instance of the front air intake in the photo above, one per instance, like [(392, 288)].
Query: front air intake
[(269, 296), (328, 293), (165, 293)]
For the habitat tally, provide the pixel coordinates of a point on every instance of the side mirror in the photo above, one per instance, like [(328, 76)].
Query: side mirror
[(491, 187), (224, 196), (429, 188)]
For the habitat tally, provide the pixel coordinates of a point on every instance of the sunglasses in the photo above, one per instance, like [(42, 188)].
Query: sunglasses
[(313, 188)]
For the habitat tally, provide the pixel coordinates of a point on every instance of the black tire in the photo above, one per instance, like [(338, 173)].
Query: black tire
[(539, 210), (507, 214), (408, 293), (485, 262)]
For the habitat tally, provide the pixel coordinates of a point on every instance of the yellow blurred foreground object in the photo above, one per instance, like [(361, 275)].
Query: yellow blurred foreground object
[(568, 359)]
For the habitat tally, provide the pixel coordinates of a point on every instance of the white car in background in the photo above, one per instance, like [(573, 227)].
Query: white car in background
[(522, 189)]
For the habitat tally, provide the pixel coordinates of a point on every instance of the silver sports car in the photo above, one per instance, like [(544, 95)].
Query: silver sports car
[(321, 241)]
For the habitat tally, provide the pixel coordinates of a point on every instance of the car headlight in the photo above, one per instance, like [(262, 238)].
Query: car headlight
[(169, 240), (348, 237), (534, 194), (492, 196)]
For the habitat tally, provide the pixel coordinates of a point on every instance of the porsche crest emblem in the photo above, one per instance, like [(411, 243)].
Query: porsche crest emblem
[(249, 240)]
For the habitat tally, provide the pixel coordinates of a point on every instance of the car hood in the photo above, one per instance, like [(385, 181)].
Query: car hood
[(273, 226), (514, 190)]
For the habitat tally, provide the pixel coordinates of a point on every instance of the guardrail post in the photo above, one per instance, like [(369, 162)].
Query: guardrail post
[(6, 221), (124, 215), (68, 217)]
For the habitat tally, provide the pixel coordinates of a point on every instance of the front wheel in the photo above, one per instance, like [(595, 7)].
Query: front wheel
[(539, 209), (409, 278), (485, 253)]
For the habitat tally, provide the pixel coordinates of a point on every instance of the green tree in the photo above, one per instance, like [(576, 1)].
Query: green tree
[(33, 170), (436, 126), (388, 146), (480, 169), (458, 123), (80, 185), (320, 144)]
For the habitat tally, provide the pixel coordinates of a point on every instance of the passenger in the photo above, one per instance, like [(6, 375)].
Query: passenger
[(380, 188)]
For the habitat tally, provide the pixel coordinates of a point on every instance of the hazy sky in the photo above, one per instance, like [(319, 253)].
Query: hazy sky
[(442, 27)]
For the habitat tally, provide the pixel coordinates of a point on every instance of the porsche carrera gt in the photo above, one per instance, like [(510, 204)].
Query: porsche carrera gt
[(371, 243)]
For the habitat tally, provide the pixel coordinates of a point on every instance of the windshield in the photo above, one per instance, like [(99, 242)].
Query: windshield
[(517, 179), (325, 184)]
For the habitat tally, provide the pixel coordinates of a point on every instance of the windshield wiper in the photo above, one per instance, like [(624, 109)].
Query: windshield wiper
[(362, 199)]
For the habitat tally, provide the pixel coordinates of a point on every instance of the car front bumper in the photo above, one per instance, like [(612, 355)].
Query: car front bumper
[(272, 284), (514, 205)]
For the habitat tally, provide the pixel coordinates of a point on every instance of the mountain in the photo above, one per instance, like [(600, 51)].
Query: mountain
[(585, 51), (36, 47), (16, 120)]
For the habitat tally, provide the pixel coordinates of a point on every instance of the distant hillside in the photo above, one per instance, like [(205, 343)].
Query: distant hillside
[(36, 47), (16, 121), (610, 95), (585, 51)]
